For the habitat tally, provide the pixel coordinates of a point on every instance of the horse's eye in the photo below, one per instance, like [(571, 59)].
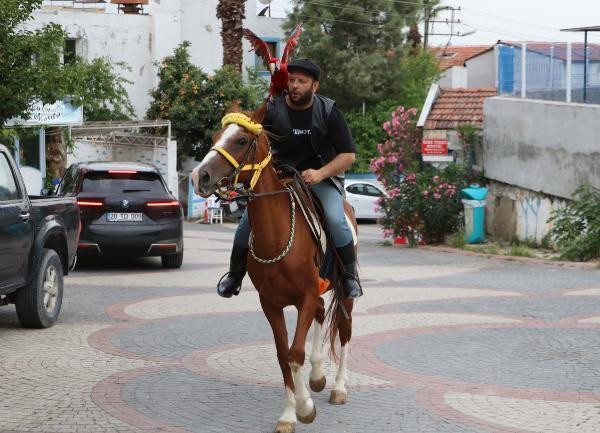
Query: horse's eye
[(243, 141)]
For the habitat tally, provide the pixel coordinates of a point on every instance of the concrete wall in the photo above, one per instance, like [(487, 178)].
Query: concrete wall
[(454, 77), (122, 38), (545, 146), (143, 40), (513, 212), (481, 70)]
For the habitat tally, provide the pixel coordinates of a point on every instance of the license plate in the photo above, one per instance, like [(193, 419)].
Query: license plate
[(124, 216)]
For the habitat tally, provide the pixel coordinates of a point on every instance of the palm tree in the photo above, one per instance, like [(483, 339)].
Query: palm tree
[(232, 13)]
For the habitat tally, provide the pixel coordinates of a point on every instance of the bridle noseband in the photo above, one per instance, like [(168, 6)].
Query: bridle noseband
[(255, 128)]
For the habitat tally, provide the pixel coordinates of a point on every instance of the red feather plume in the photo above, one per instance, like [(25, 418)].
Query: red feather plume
[(278, 68)]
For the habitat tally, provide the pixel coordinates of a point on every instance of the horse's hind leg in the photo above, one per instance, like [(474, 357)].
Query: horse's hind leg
[(317, 375), (305, 407), (339, 392), (287, 421)]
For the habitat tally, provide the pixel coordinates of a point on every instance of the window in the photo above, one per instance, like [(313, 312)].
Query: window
[(364, 189), (102, 181), (70, 51), (8, 187), (258, 62), (67, 184)]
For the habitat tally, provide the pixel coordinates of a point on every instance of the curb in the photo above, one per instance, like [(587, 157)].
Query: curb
[(530, 260)]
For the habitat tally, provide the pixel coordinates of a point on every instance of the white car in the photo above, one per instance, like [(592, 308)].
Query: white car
[(363, 194)]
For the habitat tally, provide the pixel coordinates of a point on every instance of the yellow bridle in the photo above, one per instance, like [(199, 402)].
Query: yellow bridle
[(255, 128)]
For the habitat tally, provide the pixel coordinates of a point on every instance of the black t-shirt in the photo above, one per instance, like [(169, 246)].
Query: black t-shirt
[(298, 151)]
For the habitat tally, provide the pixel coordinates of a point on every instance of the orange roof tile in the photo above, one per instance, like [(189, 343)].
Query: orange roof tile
[(456, 56), (457, 106)]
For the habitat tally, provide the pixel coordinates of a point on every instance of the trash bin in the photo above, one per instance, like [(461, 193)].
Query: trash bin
[(474, 204)]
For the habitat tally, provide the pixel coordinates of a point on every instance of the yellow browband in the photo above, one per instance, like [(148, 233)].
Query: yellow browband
[(244, 121)]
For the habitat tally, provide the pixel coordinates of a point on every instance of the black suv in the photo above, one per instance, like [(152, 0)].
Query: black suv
[(126, 209)]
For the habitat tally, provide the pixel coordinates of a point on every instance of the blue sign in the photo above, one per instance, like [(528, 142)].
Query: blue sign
[(57, 114)]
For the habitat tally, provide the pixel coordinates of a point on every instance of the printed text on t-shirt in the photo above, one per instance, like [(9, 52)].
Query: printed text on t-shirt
[(301, 131)]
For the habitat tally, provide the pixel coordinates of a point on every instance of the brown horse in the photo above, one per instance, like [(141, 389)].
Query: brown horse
[(281, 263)]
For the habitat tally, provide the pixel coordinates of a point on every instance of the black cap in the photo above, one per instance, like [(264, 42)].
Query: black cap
[(305, 65)]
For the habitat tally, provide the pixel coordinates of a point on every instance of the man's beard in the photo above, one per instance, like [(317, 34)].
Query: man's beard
[(303, 99)]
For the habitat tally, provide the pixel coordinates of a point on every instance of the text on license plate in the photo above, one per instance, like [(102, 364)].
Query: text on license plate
[(124, 216)]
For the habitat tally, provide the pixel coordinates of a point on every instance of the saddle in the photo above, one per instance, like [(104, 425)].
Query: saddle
[(312, 209)]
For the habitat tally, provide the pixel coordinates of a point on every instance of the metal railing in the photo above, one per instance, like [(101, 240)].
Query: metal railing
[(552, 71)]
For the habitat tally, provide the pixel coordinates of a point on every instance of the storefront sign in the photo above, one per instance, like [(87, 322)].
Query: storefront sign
[(56, 114), (434, 146)]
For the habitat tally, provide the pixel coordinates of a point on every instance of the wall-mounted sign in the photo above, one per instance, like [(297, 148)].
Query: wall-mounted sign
[(56, 114), (434, 146)]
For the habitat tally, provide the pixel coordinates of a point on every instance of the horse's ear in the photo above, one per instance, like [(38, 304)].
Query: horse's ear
[(260, 112), (234, 107)]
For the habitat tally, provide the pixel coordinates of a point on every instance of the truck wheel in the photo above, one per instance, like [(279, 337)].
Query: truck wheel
[(38, 304), (172, 261)]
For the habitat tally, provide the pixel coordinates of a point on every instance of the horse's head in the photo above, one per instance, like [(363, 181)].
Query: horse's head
[(239, 152)]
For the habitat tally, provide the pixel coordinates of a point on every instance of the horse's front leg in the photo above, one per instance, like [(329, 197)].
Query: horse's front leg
[(339, 393), (305, 407), (317, 375), (287, 421)]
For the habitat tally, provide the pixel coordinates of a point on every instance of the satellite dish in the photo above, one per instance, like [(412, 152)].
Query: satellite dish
[(265, 2)]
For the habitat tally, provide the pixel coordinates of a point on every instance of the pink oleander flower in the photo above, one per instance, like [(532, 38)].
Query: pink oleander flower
[(437, 195), (436, 179)]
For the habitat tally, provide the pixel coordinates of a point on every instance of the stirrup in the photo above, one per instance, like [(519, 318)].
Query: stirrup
[(228, 292)]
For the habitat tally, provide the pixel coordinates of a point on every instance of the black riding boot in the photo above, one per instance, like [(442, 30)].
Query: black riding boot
[(352, 288), (231, 283)]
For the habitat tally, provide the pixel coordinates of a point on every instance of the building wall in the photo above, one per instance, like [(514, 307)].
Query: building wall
[(513, 212), (141, 41), (122, 38), (481, 70), (545, 146), (454, 78)]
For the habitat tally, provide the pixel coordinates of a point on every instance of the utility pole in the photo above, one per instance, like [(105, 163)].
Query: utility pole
[(426, 16), (429, 18)]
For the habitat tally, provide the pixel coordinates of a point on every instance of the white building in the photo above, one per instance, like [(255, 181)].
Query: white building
[(143, 40)]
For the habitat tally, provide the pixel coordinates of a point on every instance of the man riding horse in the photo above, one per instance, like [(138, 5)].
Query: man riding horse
[(309, 133)]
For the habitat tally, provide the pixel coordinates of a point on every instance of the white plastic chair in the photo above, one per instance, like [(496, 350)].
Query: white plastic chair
[(215, 215)]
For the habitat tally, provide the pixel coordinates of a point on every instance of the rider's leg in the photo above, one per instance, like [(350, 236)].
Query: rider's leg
[(333, 205), (231, 283)]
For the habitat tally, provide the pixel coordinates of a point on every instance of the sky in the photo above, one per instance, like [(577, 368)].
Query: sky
[(493, 20)]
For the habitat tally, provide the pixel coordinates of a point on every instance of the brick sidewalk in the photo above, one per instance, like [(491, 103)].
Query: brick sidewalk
[(441, 343)]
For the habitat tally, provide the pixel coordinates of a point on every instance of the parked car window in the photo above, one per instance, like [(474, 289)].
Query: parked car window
[(372, 191), (8, 187), (364, 189), (67, 185), (102, 181)]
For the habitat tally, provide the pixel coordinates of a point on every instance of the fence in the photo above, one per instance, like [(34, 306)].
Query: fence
[(552, 71)]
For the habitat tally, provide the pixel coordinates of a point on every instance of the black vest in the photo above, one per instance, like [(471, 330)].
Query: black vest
[(281, 127)]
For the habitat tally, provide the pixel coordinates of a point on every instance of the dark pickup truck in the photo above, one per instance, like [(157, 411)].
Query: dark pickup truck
[(38, 242)]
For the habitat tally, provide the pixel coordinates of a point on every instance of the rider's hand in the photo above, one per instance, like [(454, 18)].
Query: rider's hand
[(311, 176)]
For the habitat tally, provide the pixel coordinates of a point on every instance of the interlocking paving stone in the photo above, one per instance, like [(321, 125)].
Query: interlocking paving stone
[(443, 343)]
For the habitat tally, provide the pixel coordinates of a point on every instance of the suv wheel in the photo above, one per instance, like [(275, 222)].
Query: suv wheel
[(38, 304)]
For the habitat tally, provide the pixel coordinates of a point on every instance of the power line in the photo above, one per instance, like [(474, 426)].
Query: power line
[(376, 11), (385, 26)]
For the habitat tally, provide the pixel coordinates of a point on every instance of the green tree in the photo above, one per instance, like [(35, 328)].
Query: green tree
[(27, 58), (195, 101), (361, 48), (31, 69)]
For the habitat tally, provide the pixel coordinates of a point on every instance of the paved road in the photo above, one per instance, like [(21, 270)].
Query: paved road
[(442, 343)]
